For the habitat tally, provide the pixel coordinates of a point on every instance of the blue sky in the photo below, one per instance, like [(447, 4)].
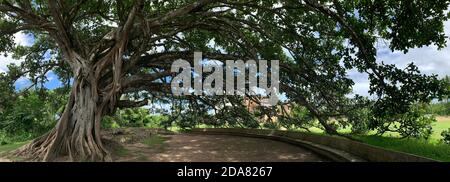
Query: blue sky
[(53, 82), (429, 59), (26, 40)]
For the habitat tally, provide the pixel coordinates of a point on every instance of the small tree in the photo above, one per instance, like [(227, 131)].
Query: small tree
[(446, 136)]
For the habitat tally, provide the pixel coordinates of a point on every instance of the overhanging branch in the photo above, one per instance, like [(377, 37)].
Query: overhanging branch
[(131, 104)]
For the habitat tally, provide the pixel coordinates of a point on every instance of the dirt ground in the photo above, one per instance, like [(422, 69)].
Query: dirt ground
[(154, 145), (210, 148)]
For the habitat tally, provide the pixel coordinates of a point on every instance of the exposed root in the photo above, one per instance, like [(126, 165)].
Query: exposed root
[(48, 149)]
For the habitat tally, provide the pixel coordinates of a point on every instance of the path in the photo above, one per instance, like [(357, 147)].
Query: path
[(215, 148)]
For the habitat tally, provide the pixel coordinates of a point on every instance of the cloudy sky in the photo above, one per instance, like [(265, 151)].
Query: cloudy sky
[(25, 40), (430, 60)]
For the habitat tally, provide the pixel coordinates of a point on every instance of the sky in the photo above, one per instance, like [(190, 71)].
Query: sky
[(26, 40), (429, 59)]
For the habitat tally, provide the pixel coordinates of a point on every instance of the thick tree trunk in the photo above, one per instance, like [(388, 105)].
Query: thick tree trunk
[(77, 134)]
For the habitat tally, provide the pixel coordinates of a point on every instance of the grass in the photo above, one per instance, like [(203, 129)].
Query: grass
[(443, 123), (121, 151), (10, 147), (156, 142), (433, 150)]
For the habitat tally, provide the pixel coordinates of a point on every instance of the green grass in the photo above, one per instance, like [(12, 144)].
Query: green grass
[(10, 147), (433, 150), (438, 127), (156, 142), (121, 151), (442, 124)]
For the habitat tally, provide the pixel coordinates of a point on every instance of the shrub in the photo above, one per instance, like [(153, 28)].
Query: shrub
[(188, 121), (31, 115), (413, 124), (446, 136), (359, 120), (442, 109), (109, 122), (271, 125), (133, 117), (299, 117), (4, 139)]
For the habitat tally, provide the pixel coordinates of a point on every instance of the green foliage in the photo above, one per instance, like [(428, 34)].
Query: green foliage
[(134, 117), (446, 96), (359, 120), (110, 122), (437, 151), (300, 117), (271, 125), (4, 139), (188, 121), (414, 123), (441, 109), (415, 87), (32, 114), (446, 136), (7, 94)]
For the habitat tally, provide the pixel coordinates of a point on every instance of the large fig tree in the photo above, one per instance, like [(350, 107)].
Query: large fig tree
[(104, 49)]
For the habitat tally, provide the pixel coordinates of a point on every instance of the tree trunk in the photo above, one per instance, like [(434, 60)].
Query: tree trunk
[(77, 133)]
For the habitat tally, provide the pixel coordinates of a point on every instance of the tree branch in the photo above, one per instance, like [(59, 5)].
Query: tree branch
[(143, 79), (131, 104)]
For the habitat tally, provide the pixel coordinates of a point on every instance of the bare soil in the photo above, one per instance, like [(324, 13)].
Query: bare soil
[(170, 147)]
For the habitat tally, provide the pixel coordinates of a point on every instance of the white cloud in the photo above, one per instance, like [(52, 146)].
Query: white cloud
[(428, 59), (51, 76), (20, 39), (5, 61), (23, 39)]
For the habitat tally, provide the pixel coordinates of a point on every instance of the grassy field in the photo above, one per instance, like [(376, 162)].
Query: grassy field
[(432, 150), (443, 123), (10, 147)]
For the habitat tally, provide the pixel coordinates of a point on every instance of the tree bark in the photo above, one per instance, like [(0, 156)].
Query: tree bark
[(77, 133)]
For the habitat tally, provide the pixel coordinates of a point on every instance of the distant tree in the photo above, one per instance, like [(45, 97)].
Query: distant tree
[(447, 81)]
